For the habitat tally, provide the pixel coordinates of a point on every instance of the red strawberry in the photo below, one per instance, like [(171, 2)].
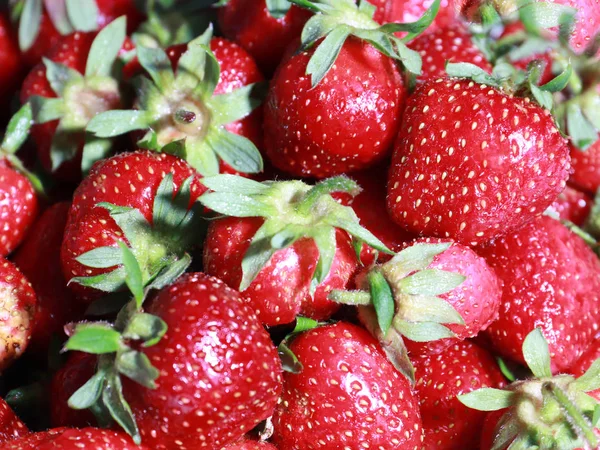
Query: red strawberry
[(65, 100), (10, 61), (406, 11), (250, 444), (128, 180), (583, 364), (56, 305), (451, 43), (11, 426), (538, 265), (297, 231), (573, 205), (586, 167), (73, 439), (202, 105), (17, 313), (491, 163), (462, 368), (346, 396), (263, 33)]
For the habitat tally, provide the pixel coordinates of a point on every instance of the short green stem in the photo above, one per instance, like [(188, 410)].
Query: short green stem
[(184, 117)]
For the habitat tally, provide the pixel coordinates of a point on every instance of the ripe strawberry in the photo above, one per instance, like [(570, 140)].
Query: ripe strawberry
[(11, 426), (202, 105), (586, 167), (127, 198), (284, 246), (538, 265), (406, 11), (462, 368), (10, 61), (573, 205), (262, 32), (56, 304), (346, 396), (491, 163), (17, 313), (450, 43), (67, 90), (250, 444), (73, 439)]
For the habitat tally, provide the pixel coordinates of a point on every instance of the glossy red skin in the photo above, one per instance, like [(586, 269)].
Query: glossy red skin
[(250, 444), (347, 394), (128, 179), (249, 23), (538, 266), (573, 205), (11, 427), (18, 207), (472, 164), (10, 60), (587, 24), (78, 369), (56, 303), (585, 362), (586, 168), (73, 439), (451, 43), (280, 292), (347, 123), (462, 368), (217, 364), (17, 312), (405, 11)]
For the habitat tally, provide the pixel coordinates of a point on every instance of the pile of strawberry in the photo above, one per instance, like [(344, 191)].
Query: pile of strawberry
[(303, 224)]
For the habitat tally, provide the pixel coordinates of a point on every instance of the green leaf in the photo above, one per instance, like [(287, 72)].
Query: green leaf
[(418, 256), (417, 308), (88, 394), (57, 11), (137, 367), (560, 82), (326, 53), (431, 282), (106, 282), (317, 27), (328, 186), (506, 371), (537, 354), (17, 130), (410, 59), (235, 205), (113, 399), (346, 219), (278, 8), (83, 14), (118, 122), (171, 272), (367, 8), (470, 71), (590, 380), (29, 24), (192, 64), (94, 150), (64, 147), (544, 98), (210, 79), (236, 105), (133, 278), (414, 28), (326, 244), (237, 151), (383, 300), (422, 331), (59, 76), (201, 156), (258, 254), (156, 62), (101, 258), (289, 361), (353, 298), (304, 324), (95, 338), (145, 327), (582, 132), (105, 48), (488, 399), (46, 109), (130, 221), (234, 184), (596, 416), (546, 15)]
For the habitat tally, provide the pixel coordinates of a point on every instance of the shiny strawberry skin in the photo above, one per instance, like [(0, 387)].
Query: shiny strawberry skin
[(538, 265), (405, 11), (280, 292), (462, 368), (472, 163), (586, 168), (220, 373), (346, 123), (250, 444), (11, 427), (346, 396), (587, 23), (573, 205), (10, 60), (249, 23)]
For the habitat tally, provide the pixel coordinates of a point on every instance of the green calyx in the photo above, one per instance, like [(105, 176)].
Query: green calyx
[(80, 97), (292, 210), (289, 361), (336, 20), (181, 113), (546, 412), (400, 299)]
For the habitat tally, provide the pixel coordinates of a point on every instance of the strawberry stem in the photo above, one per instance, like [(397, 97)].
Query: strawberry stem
[(184, 117)]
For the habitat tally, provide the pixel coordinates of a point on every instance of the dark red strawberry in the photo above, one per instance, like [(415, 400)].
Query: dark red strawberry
[(284, 245), (56, 305), (202, 105), (462, 368), (90, 255), (262, 32), (538, 265), (11, 427), (573, 205), (67, 90), (347, 395), (250, 444), (10, 61), (586, 167), (17, 313), (73, 439), (487, 163)]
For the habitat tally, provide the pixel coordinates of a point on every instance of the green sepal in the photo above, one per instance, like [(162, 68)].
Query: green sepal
[(157, 64), (96, 338), (101, 257), (581, 131), (417, 257), (59, 75), (278, 8), (137, 367), (129, 220), (237, 151), (537, 354), (83, 14), (352, 298), (431, 282), (590, 380), (238, 104), (488, 399), (29, 24), (46, 109), (105, 48), (193, 64), (113, 399), (326, 53), (88, 394), (506, 432), (117, 122), (326, 244), (57, 11), (146, 328), (106, 282), (545, 15), (383, 300), (17, 130), (94, 150), (257, 256), (234, 185), (420, 308), (64, 147), (422, 331), (506, 371), (471, 71), (133, 278), (289, 361), (171, 272)]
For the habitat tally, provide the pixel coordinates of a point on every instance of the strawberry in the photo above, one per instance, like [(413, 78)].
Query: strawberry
[(586, 167), (491, 163), (462, 368), (544, 411), (56, 305), (73, 439), (199, 103), (573, 205), (67, 90), (10, 60), (285, 245), (538, 265), (263, 28), (250, 444), (11, 426), (347, 395), (127, 198), (219, 390), (17, 314), (406, 11)]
